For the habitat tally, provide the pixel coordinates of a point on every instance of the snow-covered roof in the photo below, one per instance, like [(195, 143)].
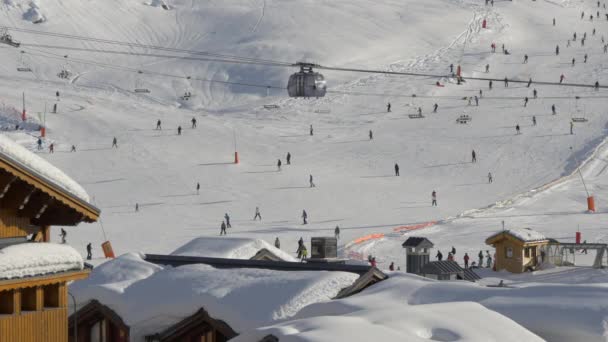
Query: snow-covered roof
[(231, 248), (523, 234), (35, 259), (388, 312), (150, 298), (11, 150)]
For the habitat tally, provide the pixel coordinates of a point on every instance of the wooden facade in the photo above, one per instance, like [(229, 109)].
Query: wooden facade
[(515, 255), (35, 308), (97, 322)]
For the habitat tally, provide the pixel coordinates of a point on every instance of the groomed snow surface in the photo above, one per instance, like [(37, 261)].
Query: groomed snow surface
[(35, 259)]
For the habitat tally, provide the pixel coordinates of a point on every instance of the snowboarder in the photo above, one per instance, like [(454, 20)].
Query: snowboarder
[(439, 256), (535, 93), (473, 157), (179, 130), (435, 107), (89, 251), (480, 255), (466, 260), (533, 120), (114, 143), (488, 259), (158, 125), (304, 217), (526, 101), (277, 243), (73, 148), (337, 232), (453, 250), (525, 59), (434, 198), (223, 229), (396, 169), (391, 267), (517, 129), (571, 127), (388, 107), (288, 158), (310, 181), (63, 235), (553, 109), (52, 148), (227, 218), (311, 130), (193, 122), (557, 50), (257, 214), (561, 78), (279, 165), (371, 135), (198, 188), (490, 179)]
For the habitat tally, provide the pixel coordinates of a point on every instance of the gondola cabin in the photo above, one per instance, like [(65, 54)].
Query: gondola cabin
[(34, 273), (306, 82)]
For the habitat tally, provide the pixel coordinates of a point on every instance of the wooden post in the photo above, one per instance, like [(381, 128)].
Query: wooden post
[(17, 302), (39, 298), (46, 233)]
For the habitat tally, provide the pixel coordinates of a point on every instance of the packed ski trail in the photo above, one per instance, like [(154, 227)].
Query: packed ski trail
[(355, 185)]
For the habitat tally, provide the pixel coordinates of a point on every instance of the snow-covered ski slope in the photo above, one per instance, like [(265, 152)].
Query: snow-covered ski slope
[(355, 185)]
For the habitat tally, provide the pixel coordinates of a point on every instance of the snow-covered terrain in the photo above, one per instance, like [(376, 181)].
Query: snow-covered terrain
[(33, 259), (535, 183)]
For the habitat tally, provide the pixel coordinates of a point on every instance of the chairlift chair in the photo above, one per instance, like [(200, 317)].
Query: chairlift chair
[(23, 66), (139, 86), (306, 82)]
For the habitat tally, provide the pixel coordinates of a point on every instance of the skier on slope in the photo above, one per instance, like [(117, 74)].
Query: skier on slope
[(439, 256), (279, 165), (39, 143), (517, 131), (304, 217), (466, 260), (476, 100), (277, 243), (533, 120), (473, 157), (198, 188), (63, 235), (585, 59), (434, 198), (490, 84), (223, 228), (526, 101), (525, 59), (227, 218), (193, 122), (52, 148), (396, 169), (371, 135), (435, 107), (158, 125), (89, 251), (179, 130), (288, 158), (388, 107), (310, 181), (529, 83), (115, 142), (506, 82), (257, 214), (561, 78), (337, 232), (553, 109), (311, 130), (453, 250), (490, 179), (557, 50), (535, 93)]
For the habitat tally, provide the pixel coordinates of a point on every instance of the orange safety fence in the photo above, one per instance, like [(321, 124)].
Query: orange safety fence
[(414, 227), (368, 237)]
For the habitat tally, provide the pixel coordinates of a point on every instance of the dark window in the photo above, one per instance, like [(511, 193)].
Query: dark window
[(527, 252), (7, 302), (28, 299), (51, 296)]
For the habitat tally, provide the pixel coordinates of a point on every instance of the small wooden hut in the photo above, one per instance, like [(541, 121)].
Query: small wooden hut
[(517, 250)]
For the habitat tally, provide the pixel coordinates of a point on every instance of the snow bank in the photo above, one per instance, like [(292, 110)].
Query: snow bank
[(382, 313), (232, 248), (40, 166), (33, 14), (33, 259), (244, 298)]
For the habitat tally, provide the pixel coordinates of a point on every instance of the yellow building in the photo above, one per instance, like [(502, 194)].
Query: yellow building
[(34, 274), (517, 250)]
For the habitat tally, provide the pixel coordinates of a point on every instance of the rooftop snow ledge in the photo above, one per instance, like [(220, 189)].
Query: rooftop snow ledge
[(35, 259), (31, 161)]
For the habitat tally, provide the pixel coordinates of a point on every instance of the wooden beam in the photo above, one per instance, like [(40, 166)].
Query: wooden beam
[(43, 280), (7, 187)]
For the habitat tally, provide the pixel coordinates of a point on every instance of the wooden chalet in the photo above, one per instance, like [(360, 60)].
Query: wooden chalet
[(33, 308), (517, 250)]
